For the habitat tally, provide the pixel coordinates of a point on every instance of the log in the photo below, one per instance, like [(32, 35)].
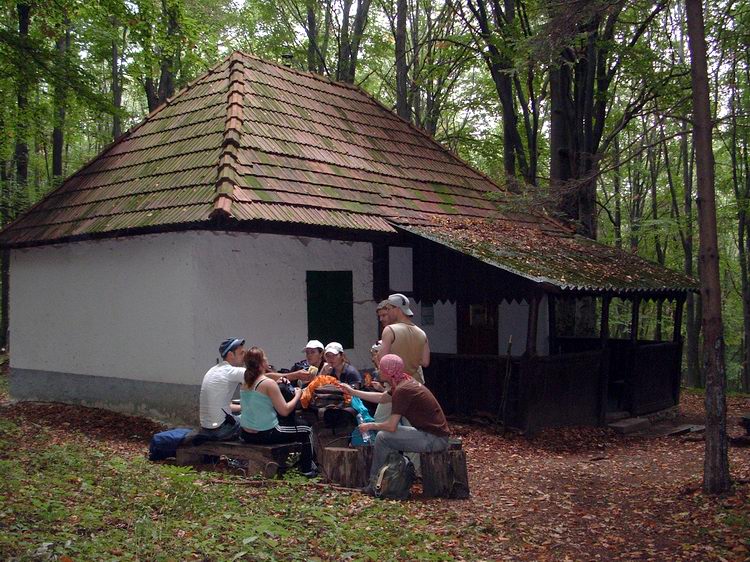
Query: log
[(348, 467), (444, 474)]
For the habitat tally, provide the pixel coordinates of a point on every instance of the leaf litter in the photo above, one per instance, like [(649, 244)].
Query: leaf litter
[(568, 494)]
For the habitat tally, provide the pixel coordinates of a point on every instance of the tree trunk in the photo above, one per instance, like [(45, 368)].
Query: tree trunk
[(60, 100), (116, 87), (342, 69), (716, 477), (22, 148), (402, 67)]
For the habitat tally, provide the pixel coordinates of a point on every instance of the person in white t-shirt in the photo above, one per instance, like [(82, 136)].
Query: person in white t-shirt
[(218, 388)]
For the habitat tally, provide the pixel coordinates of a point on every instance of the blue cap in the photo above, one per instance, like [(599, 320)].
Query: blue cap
[(228, 345)]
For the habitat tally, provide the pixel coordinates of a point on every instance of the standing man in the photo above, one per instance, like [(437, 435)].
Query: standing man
[(382, 313), (429, 430), (218, 388), (404, 338)]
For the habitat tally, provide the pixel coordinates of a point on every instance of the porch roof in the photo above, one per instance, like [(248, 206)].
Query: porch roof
[(542, 251)]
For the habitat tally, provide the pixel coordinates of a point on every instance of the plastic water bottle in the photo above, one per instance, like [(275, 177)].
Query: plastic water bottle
[(365, 434)]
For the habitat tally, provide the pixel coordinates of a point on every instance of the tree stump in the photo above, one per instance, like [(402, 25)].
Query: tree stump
[(348, 467), (444, 474)]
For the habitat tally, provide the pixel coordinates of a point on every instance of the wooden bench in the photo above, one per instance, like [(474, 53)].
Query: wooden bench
[(444, 474), (261, 459)]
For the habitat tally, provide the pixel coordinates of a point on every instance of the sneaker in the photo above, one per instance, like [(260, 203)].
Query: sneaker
[(311, 473)]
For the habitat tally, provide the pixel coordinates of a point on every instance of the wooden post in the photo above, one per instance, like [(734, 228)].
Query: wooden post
[(531, 331), (604, 327), (677, 334), (552, 314), (604, 365), (634, 320)]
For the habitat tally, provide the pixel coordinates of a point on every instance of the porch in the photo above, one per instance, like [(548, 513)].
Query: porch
[(576, 387)]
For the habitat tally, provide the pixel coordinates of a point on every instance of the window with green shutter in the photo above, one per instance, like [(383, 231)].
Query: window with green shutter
[(330, 307)]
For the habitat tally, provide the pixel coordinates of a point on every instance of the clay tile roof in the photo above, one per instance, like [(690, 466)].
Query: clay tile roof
[(253, 142)]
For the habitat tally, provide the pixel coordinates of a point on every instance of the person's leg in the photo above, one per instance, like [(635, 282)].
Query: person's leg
[(299, 434), (405, 438), (286, 434)]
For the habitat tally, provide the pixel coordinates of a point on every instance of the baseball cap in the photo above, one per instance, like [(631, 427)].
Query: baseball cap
[(400, 301), (314, 344), (335, 348), (229, 344)]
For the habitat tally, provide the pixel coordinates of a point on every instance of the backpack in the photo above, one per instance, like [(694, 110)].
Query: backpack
[(394, 478), (328, 395), (287, 391), (164, 444)]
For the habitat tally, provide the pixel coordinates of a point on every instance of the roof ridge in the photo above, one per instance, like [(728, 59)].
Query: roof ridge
[(227, 173)]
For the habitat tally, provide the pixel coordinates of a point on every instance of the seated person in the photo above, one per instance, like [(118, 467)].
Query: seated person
[(371, 379), (313, 357), (262, 404), (429, 429), (218, 386), (338, 365)]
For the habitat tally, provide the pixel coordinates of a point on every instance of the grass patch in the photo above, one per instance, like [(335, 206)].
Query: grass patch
[(77, 500)]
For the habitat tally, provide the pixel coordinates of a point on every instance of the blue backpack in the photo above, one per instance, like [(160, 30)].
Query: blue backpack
[(164, 444)]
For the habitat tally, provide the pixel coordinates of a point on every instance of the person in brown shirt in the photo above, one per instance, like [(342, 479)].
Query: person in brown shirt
[(429, 429)]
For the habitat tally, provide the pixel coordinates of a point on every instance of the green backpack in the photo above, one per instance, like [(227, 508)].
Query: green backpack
[(395, 478)]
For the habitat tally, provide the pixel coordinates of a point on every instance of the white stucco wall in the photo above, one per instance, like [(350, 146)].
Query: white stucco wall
[(443, 333), (261, 279), (513, 318), (155, 307), (114, 308)]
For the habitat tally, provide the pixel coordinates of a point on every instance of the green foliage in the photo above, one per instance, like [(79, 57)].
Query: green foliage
[(74, 500)]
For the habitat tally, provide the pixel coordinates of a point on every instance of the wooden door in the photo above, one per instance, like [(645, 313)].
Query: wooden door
[(477, 329)]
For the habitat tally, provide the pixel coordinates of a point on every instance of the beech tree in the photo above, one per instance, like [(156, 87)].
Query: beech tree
[(716, 462)]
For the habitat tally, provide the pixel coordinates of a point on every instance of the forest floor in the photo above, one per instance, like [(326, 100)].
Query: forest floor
[(569, 494)]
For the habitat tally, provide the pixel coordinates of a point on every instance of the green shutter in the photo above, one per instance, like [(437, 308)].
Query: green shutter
[(330, 307)]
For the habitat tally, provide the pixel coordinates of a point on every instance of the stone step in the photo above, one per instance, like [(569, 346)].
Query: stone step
[(616, 416), (630, 425)]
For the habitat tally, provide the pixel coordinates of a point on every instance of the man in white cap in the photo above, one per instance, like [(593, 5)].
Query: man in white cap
[(404, 338)]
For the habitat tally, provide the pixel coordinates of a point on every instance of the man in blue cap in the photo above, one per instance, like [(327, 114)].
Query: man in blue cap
[(218, 387)]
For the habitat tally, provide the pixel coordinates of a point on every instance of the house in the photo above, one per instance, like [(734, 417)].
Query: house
[(278, 206)]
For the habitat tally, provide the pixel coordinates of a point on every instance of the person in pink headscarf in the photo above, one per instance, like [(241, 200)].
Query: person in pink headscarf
[(429, 429)]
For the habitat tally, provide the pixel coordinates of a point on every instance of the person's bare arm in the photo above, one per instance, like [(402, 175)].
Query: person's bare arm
[(377, 397), (281, 406), (389, 425), (387, 338), (425, 354)]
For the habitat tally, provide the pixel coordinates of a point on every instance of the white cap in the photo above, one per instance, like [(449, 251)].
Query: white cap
[(314, 344), (335, 348), (400, 301)]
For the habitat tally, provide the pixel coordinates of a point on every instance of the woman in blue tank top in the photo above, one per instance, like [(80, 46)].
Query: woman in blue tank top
[(263, 403)]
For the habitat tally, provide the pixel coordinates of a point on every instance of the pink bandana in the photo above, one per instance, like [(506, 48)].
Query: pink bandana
[(393, 366)]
